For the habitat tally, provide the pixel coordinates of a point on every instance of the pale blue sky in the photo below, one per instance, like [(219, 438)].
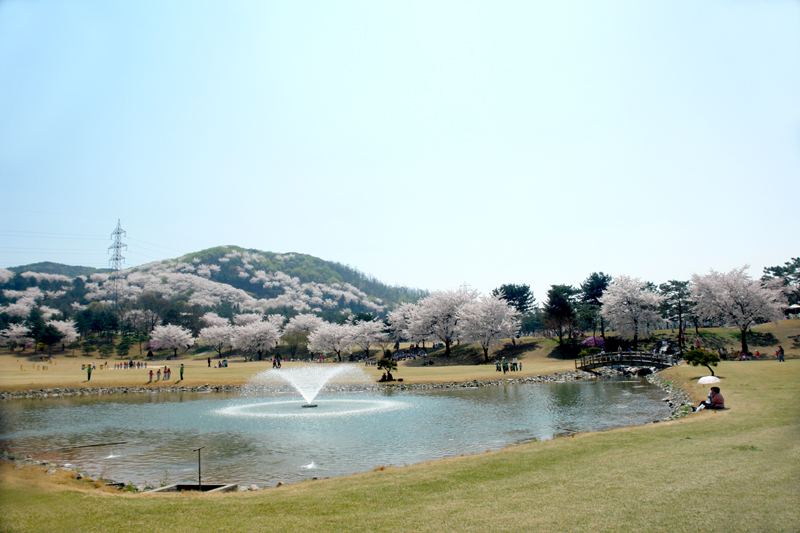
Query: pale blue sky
[(428, 144)]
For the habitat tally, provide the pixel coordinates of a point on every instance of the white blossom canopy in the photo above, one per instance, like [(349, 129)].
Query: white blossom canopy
[(737, 299), (487, 319), (630, 306), (170, 337)]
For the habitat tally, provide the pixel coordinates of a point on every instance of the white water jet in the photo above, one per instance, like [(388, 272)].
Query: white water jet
[(307, 380)]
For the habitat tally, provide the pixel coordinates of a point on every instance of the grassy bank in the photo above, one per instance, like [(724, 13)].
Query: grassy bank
[(728, 471), (540, 356)]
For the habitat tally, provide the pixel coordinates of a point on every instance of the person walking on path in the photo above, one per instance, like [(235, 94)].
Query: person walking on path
[(209, 362), (89, 372), (151, 377), (780, 354), (181, 371), (158, 375)]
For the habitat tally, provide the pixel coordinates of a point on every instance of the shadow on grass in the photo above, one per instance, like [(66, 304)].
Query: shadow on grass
[(755, 338), (466, 354), (564, 351), (715, 341), (795, 341), (510, 351)]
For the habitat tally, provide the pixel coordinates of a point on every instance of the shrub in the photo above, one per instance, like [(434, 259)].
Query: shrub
[(594, 342), (701, 358)]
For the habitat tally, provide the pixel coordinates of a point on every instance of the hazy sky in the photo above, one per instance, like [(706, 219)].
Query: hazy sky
[(426, 143)]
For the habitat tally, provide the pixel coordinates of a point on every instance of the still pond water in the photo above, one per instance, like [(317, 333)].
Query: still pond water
[(266, 440)]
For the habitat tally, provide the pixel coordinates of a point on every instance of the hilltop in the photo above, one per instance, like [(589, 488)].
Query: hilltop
[(220, 277)]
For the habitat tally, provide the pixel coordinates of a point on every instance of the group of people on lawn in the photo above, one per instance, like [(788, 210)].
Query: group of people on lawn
[(167, 374), (505, 366)]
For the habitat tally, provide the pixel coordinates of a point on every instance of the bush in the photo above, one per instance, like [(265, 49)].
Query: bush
[(387, 364), (594, 342), (701, 358), (589, 351)]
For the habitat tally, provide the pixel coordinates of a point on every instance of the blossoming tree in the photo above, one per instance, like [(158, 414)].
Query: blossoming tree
[(170, 337), (218, 337), (329, 338), (256, 337), (487, 319), (737, 299), (437, 316), (630, 306)]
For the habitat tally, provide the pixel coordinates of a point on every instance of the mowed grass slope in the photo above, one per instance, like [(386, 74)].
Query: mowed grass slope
[(731, 471)]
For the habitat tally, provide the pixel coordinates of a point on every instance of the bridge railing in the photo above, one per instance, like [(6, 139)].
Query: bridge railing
[(625, 358)]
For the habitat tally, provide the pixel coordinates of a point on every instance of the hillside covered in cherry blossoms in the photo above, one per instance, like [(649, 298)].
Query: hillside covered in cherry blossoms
[(224, 279)]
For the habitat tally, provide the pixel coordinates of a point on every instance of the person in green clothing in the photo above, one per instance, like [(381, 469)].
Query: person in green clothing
[(181, 371), (88, 372)]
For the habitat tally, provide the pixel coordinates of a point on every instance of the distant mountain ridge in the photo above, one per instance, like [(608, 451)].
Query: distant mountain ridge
[(48, 267), (248, 280)]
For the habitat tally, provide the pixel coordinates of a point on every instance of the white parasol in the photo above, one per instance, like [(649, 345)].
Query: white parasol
[(705, 380)]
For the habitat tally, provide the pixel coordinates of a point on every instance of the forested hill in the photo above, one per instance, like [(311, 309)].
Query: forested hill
[(306, 268), (70, 271), (224, 277)]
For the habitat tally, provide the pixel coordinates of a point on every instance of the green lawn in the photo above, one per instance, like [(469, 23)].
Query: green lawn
[(731, 471)]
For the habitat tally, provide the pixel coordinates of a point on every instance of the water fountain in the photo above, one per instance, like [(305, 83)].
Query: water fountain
[(307, 380)]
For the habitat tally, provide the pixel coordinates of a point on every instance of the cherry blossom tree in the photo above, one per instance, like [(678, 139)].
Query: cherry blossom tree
[(737, 299), (487, 319), (277, 320), (218, 337), (16, 335), (330, 338), (304, 322), (247, 318), (630, 306), (399, 319), (213, 319), (67, 328), (256, 337), (5, 275), (366, 333), (437, 316), (170, 337)]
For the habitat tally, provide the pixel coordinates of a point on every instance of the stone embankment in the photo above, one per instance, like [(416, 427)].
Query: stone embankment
[(677, 399), (552, 378), (100, 391)]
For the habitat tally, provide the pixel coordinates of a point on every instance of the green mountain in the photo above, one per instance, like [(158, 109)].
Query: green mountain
[(225, 279), (48, 267)]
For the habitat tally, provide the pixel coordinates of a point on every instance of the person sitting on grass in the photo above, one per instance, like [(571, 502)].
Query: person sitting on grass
[(715, 401)]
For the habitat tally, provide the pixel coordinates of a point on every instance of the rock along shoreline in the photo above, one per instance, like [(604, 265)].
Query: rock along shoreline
[(677, 399)]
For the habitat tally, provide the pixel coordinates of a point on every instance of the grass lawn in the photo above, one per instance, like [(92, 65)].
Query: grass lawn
[(731, 471), (22, 371)]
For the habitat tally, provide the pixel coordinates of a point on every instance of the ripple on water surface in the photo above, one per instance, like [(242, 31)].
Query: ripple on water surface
[(326, 408)]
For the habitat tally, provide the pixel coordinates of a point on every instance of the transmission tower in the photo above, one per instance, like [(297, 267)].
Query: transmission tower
[(116, 262)]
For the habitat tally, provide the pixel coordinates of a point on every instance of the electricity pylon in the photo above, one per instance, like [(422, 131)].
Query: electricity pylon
[(116, 262)]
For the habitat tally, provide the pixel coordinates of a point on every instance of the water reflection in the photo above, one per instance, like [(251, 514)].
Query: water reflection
[(268, 440)]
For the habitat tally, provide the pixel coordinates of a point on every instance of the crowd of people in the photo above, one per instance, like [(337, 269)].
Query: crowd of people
[(502, 365), (737, 355)]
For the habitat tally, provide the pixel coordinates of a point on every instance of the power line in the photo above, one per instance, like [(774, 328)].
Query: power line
[(30, 233)]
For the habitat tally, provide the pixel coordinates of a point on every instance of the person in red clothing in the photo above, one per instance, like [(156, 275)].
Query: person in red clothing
[(715, 400)]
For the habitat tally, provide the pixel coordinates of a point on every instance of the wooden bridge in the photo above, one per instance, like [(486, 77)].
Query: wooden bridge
[(630, 359)]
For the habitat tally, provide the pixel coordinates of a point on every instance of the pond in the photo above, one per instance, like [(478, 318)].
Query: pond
[(271, 439)]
